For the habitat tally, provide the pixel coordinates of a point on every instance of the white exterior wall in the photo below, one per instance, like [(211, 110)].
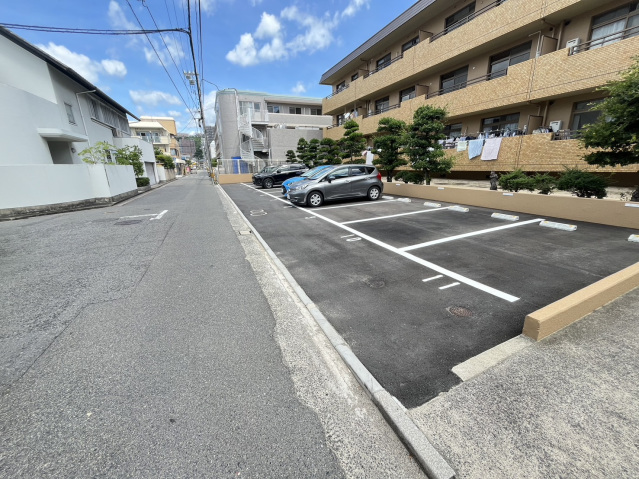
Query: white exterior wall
[(148, 156)]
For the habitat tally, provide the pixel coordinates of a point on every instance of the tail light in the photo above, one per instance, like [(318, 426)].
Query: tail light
[(379, 176)]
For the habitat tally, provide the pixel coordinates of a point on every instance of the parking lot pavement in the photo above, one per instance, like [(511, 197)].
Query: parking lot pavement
[(416, 288)]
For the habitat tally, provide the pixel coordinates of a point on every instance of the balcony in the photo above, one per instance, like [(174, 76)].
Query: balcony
[(467, 19)]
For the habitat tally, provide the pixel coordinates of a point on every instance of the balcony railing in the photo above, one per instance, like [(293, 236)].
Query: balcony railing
[(398, 57), (460, 86), (607, 40), (339, 90), (379, 111), (467, 19)]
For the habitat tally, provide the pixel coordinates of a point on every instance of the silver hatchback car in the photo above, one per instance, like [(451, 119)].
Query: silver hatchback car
[(339, 182)]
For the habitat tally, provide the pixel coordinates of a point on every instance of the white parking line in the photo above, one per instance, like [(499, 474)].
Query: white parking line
[(462, 279), (432, 278), (357, 204), (449, 286), (393, 216), (466, 235), (159, 217)]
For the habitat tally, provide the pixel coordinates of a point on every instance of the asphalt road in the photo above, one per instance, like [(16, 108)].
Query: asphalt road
[(415, 289), (148, 339)]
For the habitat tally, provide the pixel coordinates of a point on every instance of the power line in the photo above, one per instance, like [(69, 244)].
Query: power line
[(88, 31)]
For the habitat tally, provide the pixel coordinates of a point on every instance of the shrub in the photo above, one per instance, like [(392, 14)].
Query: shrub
[(408, 176), (545, 183), (143, 182), (516, 180), (167, 161), (582, 183)]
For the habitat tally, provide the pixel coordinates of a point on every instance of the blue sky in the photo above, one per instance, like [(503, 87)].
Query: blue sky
[(275, 46)]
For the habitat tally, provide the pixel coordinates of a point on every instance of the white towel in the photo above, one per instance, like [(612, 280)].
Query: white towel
[(462, 145), (491, 149), (474, 148)]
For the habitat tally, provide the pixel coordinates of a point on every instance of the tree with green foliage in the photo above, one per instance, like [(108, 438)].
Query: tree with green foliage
[(130, 155), (582, 183), (515, 181), (302, 151), (312, 152), (101, 152), (290, 156), (167, 161), (199, 154), (329, 152), (353, 142), (389, 145), (615, 134), (409, 176), (421, 142)]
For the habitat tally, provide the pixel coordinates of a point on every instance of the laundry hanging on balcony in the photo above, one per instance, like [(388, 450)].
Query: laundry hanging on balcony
[(474, 148), (462, 145), (491, 149)]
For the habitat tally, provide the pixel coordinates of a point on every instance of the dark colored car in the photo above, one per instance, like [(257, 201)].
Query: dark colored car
[(275, 175), (340, 182)]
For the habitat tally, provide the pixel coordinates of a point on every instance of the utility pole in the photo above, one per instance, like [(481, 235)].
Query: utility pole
[(207, 156)]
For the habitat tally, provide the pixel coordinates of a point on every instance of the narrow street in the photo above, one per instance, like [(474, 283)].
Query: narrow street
[(154, 339)]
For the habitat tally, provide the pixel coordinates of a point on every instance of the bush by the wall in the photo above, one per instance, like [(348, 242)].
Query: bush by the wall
[(143, 181), (408, 176), (582, 183), (516, 180), (545, 183)]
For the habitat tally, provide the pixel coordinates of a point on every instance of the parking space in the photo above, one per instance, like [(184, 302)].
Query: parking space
[(416, 289)]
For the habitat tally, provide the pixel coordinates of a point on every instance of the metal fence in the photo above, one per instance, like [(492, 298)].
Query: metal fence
[(237, 166)]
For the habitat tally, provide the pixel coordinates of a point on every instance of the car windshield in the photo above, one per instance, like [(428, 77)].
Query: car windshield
[(318, 172), (268, 169)]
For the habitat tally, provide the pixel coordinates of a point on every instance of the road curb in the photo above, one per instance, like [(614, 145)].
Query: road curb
[(415, 440)]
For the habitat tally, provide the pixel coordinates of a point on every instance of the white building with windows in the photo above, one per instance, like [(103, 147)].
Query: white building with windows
[(259, 126), (49, 115)]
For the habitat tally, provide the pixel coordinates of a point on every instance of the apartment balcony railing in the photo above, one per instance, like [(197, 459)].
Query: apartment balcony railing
[(381, 67), (339, 90), (467, 19), (379, 111), (474, 81), (607, 40)]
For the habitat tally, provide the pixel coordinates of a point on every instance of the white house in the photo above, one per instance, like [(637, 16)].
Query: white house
[(49, 114)]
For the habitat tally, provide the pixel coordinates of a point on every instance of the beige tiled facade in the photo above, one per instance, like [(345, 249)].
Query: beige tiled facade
[(543, 85)]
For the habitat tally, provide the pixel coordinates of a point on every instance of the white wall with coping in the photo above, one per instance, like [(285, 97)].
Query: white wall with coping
[(40, 185), (148, 156)]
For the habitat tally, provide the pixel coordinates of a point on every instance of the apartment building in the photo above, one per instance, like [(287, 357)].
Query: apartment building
[(526, 72), (253, 125), (160, 131)]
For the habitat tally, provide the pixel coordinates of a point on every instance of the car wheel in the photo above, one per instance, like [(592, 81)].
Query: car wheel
[(314, 198), (374, 193), (267, 183), (284, 190)]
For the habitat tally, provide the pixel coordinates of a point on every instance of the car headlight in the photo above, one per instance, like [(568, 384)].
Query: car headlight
[(300, 187)]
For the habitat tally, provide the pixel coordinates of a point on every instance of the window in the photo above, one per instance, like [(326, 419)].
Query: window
[(499, 124), (70, 116), (410, 44), (407, 94), (453, 131), (384, 61), (340, 120), (381, 105), (294, 110), (246, 107), (316, 111), (454, 80), (582, 114), (355, 76), (257, 106), (340, 86), (499, 63), (273, 109), (615, 25), (340, 173), (459, 18), (358, 170)]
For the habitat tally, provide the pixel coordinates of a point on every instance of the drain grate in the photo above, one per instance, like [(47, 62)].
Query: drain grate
[(460, 311), (128, 222)]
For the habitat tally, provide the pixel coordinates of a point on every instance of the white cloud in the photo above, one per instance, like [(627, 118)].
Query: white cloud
[(269, 26), (245, 52), (89, 69), (255, 3), (354, 6), (316, 34), (153, 98), (118, 19), (299, 88), (171, 52), (175, 114)]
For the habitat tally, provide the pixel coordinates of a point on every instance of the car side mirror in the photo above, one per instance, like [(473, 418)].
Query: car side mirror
[(278, 171), (330, 178)]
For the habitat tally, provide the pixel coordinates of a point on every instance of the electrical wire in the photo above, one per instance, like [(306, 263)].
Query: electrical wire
[(88, 31)]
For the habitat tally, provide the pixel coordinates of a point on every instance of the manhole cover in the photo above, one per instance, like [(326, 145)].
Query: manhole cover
[(128, 222), (375, 283), (460, 311)]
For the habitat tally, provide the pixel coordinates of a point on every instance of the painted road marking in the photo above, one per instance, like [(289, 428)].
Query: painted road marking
[(392, 216), (462, 279), (432, 278), (449, 286), (466, 235), (159, 217), (136, 216), (357, 204)]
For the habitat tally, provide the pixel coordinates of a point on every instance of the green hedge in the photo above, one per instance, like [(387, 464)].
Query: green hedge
[(143, 182)]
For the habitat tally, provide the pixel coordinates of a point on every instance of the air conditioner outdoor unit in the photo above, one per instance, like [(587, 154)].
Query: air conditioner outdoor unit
[(555, 126), (573, 43)]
